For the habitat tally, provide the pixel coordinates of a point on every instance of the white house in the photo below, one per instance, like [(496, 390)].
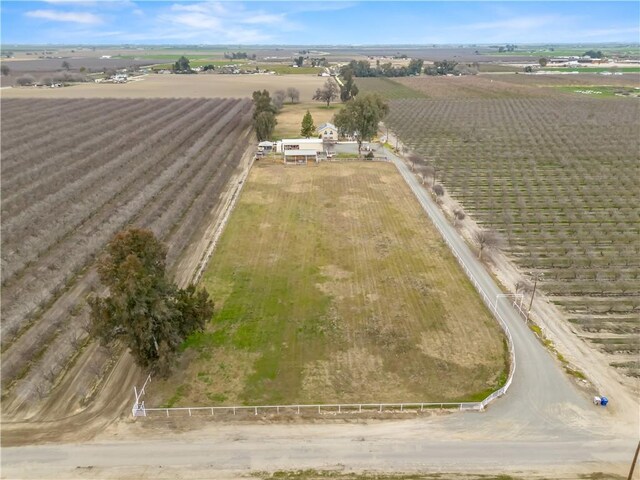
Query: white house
[(285, 144), (328, 132)]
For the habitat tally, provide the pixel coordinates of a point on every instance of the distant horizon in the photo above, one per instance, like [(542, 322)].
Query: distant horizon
[(309, 23), (327, 45)]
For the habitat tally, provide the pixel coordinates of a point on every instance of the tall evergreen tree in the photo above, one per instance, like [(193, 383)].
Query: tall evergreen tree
[(308, 128)]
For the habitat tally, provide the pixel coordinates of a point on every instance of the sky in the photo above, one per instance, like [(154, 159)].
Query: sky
[(317, 22)]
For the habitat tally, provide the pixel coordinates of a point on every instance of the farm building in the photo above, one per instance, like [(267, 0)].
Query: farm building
[(328, 132), (298, 157), (285, 144), (265, 147)]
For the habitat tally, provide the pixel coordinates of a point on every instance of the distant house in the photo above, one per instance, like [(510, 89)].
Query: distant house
[(328, 132)]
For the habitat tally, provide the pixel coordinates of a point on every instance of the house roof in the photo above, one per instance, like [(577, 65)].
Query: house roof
[(265, 144), (301, 140), (307, 153), (326, 125)]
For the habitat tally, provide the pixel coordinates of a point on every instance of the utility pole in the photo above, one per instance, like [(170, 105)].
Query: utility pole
[(633, 464), (536, 276)]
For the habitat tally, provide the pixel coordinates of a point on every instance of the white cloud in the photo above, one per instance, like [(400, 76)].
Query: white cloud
[(514, 23), (58, 16), (71, 2), (217, 22)]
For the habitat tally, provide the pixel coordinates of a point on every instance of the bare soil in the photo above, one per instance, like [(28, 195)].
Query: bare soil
[(178, 86)]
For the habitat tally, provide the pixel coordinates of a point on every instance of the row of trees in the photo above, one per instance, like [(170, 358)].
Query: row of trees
[(363, 68), (266, 107), (168, 127), (238, 55)]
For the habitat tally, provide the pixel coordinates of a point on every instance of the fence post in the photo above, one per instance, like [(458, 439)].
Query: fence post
[(167, 412), (256, 411)]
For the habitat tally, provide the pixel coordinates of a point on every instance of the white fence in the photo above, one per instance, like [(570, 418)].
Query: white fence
[(139, 409), (492, 304), (318, 409)]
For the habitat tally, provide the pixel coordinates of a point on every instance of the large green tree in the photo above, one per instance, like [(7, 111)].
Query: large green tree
[(264, 118), (182, 65), (150, 313), (360, 117), (264, 124), (308, 128)]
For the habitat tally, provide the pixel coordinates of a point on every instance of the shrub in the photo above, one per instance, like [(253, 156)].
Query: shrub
[(25, 81)]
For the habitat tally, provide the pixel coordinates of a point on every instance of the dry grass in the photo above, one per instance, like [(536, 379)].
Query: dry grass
[(290, 117), (178, 86), (331, 285)]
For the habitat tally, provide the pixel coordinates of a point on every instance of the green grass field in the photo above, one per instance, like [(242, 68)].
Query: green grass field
[(290, 117), (289, 70), (331, 285), (602, 91), (593, 69)]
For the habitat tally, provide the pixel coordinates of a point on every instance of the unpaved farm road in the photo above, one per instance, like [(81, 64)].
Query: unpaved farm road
[(544, 424)]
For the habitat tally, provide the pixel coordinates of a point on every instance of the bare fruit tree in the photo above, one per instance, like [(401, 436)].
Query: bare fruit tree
[(293, 94), (486, 240)]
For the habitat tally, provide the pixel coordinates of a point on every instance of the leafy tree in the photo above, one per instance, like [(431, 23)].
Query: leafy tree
[(293, 94), (308, 128), (264, 119), (151, 313), (445, 67), (528, 69), (299, 61), (262, 103), (264, 123), (415, 66), (349, 88), (5, 70), (66, 65), (543, 62), (182, 65), (593, 54), (327, 93), (360, 117)]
